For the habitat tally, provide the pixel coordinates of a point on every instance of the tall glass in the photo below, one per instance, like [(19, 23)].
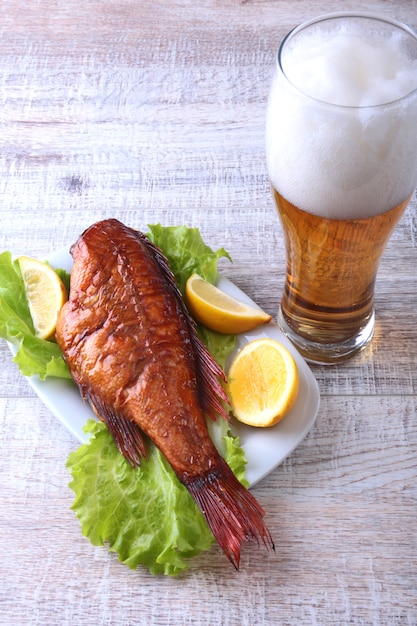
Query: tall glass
[(341, 140)]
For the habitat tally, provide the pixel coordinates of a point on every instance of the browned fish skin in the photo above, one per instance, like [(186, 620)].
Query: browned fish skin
[(132, 349)]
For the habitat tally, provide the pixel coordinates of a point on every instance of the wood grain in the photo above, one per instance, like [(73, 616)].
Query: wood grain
[(154, 112)]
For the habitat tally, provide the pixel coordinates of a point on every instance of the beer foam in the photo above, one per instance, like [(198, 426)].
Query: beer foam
[(355, 159), (348, 70)]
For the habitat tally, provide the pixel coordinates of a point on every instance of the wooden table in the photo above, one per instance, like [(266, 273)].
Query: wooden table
[(154, 112)]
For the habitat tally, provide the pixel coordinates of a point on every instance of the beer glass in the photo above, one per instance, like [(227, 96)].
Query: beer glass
[(341, 144)]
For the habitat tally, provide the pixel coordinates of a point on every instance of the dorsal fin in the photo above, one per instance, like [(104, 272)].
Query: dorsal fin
[(213, 398)]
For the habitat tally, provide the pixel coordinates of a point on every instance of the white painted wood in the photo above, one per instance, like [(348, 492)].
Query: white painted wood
[(154, 112)]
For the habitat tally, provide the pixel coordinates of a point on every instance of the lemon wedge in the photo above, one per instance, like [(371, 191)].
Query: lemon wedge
[(45, 293), (263, 383), (219, 311)]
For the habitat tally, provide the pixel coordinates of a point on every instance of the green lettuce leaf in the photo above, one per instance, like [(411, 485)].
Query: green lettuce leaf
[(186, 252), (162, 534), (145, 515), (33, 356)]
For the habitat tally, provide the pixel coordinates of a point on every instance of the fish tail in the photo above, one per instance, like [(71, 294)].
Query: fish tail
[(231, 511)]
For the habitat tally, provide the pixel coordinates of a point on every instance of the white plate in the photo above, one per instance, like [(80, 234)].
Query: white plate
[(265, 448)]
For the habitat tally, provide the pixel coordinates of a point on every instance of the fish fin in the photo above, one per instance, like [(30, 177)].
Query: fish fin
[(126, 434), (214, 400), (213, 397), (231, 511)]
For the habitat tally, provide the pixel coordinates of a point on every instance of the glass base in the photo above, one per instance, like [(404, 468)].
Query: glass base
[(327, 353)]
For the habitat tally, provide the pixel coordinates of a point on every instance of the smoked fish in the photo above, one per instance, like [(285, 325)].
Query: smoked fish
[(133, 351)]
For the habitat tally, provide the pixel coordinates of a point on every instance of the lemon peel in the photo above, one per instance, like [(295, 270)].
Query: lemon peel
[(214, 308), (46, 294), (263, 383)]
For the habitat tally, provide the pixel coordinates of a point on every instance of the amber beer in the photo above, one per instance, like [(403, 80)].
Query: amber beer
[(342, 160), (331, 272)]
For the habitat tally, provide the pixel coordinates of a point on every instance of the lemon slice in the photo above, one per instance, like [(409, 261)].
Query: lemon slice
[(219, 311), (45, 293), (263, 383)]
